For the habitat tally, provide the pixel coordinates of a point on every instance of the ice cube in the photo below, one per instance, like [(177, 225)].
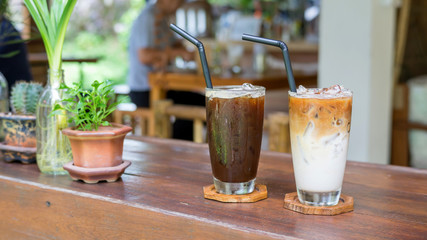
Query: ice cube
[(331, 138), (301, 151), (301, 89), (308, 129), (247, 86), (335, 89)]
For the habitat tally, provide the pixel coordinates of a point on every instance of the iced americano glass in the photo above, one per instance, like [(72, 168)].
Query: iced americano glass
[(320, 121), (235, 116)]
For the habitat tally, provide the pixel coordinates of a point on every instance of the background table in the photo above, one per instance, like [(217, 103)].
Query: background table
[(161, 82), (160, 197), (39, 65)]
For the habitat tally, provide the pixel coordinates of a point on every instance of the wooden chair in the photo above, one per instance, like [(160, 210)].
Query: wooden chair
[(409, 62), (165, 109), (140, 119), (277, 125)]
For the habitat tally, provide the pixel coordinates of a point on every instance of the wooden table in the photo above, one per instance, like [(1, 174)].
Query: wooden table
[(161, 82), (39, 64), (41, 58), (160, 197)]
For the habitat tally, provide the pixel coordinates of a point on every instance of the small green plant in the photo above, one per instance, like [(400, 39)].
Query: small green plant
[(24, 97), (88, 108)]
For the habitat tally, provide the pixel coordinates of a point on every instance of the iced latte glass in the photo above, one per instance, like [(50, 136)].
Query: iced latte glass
[(235, 117), (320, 122)]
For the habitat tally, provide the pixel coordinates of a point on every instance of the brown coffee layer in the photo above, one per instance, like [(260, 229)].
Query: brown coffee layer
[(234, 133), (327, 116)]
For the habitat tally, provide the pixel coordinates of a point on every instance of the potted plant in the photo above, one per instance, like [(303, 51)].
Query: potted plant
[(19, 128), (96, 144), (53, 148)]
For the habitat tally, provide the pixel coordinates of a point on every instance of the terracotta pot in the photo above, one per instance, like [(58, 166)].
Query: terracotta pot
[(95, 149), (19, 130)]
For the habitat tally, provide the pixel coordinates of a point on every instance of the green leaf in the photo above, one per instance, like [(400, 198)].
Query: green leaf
[(57, 107), (62, 27), (10, 54), (52, 24), (56, 112), (32, 8), (89, 108), (63, 86), (68, 100), (96, 84)]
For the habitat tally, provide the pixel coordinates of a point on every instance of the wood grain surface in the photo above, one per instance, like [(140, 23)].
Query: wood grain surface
[(160, 196)]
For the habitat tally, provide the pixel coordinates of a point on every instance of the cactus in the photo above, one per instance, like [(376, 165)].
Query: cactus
[(24, 97)]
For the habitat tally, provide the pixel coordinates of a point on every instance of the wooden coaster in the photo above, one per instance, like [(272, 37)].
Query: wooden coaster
[(259, 193), (344, 205)]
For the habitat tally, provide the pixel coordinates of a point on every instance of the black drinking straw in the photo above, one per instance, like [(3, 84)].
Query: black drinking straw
[(285, 52), (201, 49)]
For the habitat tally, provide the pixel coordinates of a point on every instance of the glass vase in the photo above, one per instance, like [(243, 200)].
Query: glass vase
[(4, 102), (53, 148), (4, 94)]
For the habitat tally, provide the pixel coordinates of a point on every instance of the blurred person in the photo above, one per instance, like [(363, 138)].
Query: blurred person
[(152, 46), (14, 64)]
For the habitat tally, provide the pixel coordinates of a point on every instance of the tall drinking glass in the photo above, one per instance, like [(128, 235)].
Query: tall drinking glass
[(320, 122), (235, 116)]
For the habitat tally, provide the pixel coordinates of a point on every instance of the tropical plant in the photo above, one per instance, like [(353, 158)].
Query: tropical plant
[(24, 97), (88, 108), (52, 22), (53, 149)]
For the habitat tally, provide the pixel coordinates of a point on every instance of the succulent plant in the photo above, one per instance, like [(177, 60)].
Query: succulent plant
[(24, 97)]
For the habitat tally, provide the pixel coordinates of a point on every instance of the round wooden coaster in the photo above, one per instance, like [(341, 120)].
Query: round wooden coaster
[(344, 205), (259, 193)]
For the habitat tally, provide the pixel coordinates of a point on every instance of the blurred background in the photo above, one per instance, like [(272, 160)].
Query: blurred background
[(100, 29), (377, 48)]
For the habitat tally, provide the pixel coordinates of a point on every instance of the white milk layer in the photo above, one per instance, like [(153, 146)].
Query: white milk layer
[(319, 165)]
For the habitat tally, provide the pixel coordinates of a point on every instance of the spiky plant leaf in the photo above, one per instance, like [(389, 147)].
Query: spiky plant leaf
[(33, 93), (24, 97), (52, 22), (17, 97)]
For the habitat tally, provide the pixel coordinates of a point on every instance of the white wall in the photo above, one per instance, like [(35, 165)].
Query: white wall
[(356, 50)]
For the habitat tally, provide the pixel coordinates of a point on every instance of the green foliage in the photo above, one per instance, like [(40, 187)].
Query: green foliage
[(24, 97), (112, 62), (127, 19), (4, 5), (106, 39), (88, 108), (238, 4), (52, 22), (87, 41)]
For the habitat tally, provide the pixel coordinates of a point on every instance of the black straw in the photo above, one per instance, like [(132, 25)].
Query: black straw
[(201, 49), (285, 52)]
